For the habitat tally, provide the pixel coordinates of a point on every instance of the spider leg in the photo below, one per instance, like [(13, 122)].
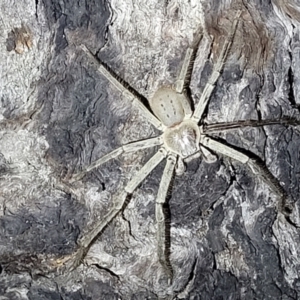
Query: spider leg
[(217, 127), (223, 149), (124, 88), (162, 247), (209, 87), (256, 167), (207, 155), (184, 78), (180, 167), (185, 69), (120, 198), (113, 154)]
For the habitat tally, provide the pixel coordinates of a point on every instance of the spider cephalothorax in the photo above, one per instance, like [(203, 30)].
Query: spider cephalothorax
[(182, 138)]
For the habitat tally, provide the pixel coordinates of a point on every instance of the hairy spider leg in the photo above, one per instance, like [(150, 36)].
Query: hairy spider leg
[(184, 78), (162, 247), (130, 147), (121, 86), (217, 127), (185, 69), (210, 85), (120, 198), (254, 165)]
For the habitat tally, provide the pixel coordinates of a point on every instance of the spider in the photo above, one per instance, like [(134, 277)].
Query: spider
[(183, 138)]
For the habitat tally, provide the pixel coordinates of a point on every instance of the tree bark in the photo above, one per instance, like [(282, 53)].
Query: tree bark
[(228, 237)]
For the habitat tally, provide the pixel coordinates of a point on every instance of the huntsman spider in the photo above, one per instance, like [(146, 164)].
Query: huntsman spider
[(183, 138)]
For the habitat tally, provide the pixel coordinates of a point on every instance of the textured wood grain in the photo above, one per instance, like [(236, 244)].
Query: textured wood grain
[(57, 115)]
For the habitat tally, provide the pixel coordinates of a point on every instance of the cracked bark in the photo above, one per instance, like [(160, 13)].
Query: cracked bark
[(58, 115)]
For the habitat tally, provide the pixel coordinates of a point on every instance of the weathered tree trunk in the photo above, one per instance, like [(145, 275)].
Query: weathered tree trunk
[(228, 236)]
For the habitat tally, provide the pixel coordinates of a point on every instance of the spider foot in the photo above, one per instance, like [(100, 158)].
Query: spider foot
[(285, 205), (76, 177), (72, 176), (68, 176), (167, 271), (70, 262)]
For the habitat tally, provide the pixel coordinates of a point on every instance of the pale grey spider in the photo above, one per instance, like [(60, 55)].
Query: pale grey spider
[(182, 139)]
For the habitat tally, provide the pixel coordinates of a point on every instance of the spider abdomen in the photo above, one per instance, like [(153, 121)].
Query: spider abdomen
[(167, 105), (183, 139)]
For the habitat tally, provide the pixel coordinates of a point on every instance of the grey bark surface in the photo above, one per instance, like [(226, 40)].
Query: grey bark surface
[(58, 114)]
